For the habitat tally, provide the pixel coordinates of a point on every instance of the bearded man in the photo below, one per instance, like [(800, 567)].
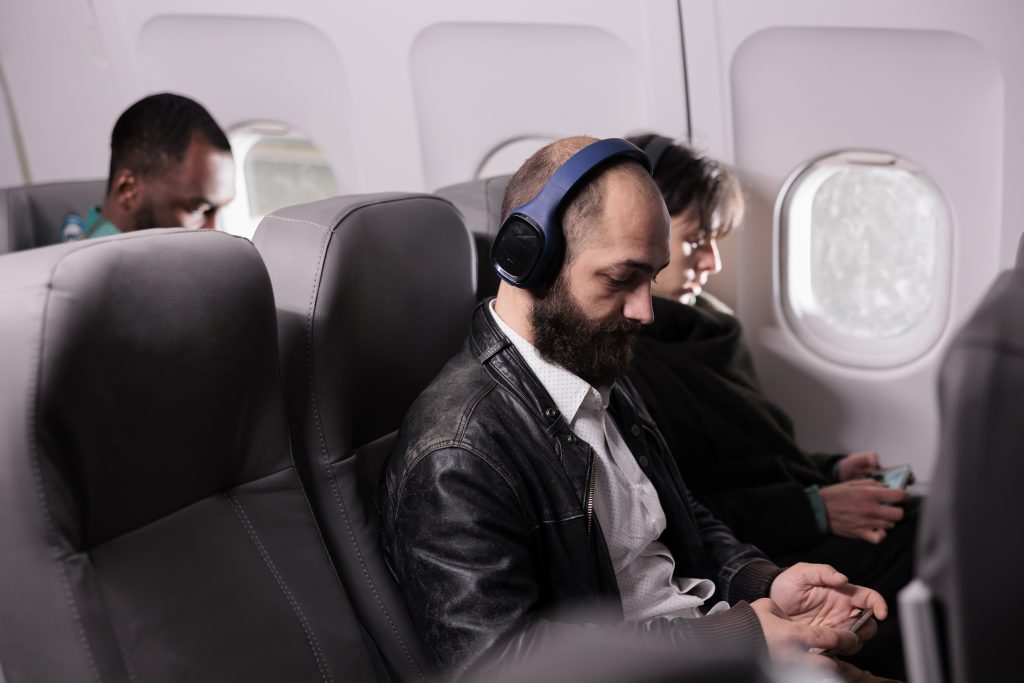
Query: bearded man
[(529, 480)]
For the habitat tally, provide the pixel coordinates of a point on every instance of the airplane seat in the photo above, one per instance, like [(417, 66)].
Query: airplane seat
[(374, 294), (152, 524), (966, 601), (480, 204), (33, 215)]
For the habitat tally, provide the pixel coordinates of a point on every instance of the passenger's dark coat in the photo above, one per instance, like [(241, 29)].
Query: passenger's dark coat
[(736, 451), (734, 447)]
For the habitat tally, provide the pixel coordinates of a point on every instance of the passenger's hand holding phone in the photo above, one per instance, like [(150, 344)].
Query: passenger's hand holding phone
[(856, 465), (862, 508), (818, 595), (894, 477), (789, 640)]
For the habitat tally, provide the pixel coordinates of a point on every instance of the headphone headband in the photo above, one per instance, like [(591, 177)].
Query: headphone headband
[(655, 148), (531, 235)]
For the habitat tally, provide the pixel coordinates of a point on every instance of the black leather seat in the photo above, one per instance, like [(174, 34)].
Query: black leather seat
[(33, 215), (374, 294), (480, 204), (152, 524), (970, 553)]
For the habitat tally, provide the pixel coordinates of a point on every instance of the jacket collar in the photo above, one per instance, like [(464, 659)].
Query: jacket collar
[(494, 350)]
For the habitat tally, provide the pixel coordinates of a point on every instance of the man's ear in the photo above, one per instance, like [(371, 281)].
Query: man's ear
[(126, 190)]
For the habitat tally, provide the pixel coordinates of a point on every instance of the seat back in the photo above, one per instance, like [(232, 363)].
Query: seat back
[(153, 526), (33, 215), (374, 293), (969, 552), (480, 204)]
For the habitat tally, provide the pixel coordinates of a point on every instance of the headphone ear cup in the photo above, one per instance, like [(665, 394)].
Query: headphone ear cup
[(529, 247), (517, 253)]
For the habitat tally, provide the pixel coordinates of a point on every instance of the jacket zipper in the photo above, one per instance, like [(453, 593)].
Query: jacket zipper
[(590, 495)]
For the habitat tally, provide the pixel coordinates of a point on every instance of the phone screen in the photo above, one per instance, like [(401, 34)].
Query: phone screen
[(896, 477)]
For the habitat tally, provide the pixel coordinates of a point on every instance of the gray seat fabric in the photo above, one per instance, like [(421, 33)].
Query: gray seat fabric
[(152, 523), (970, 554), (480, 204), (33, 215), (374, 294)]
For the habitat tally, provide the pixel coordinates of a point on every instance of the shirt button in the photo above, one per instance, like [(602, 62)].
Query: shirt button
[(571, 438), (550, 413), (635, 430), (642, 460)]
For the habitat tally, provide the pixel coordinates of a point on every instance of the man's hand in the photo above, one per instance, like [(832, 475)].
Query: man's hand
[(857, 465), (818, 595), (862, 508), (788, 639)]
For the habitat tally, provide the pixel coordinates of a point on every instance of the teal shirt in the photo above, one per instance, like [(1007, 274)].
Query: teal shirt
[(94, 225)]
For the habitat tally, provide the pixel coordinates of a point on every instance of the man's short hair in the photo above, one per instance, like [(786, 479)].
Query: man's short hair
[(154, 134), (688, 179), (583, 205)]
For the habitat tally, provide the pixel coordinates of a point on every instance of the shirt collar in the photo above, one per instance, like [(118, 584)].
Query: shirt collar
[(568, 391)]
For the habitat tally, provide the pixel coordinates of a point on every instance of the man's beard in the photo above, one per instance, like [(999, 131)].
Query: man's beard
[(597, 352), (145, 217)]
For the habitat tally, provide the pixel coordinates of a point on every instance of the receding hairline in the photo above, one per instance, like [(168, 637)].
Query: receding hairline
[(546, 160)]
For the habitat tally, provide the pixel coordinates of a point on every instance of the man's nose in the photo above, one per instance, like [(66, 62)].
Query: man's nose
[(708, 259), (638, 305)]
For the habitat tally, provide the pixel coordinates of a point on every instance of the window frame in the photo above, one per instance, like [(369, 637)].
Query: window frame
[(244, 137), (795, 307)]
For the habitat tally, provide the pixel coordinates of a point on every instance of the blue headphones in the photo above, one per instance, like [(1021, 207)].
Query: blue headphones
[(530, 238), (655, 148)]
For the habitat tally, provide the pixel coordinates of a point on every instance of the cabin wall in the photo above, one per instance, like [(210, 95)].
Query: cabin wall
[(936, 83), (400, 95)]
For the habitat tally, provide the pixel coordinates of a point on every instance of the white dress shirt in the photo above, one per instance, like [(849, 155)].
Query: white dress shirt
[(625, 501)]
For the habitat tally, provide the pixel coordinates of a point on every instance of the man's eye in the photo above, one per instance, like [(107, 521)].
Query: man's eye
[(616, 282)]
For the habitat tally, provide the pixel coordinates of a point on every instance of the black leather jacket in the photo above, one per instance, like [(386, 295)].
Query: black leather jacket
[(487, 508)]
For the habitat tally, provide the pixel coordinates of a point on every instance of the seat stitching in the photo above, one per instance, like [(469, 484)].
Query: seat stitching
[(311, 639), (325, 456), (37, 477), (297, 220)]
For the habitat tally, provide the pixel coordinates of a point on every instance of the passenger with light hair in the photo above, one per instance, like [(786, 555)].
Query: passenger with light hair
[(735, 449)]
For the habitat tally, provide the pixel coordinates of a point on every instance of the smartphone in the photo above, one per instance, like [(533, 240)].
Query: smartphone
[(894, 477), (861, 619), (853, 624)]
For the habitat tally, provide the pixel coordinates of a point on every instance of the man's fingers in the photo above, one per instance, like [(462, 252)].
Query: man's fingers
[(887, 513), (869, 460), (874, 536), (868, 630), (868, 598), (837, 640), (891, 496), (866, 483), (820, 575)]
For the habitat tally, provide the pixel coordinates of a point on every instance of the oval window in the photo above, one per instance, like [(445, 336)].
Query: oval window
[(275, 166), (865, 256)]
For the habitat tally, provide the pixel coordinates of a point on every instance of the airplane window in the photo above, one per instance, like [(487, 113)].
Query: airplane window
[(276, 166), (865, 258), (507, 157)]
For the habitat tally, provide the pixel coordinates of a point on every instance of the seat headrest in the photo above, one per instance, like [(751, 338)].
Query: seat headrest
[(480, 204), (374, 294), (140, 375), (33, 215)]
